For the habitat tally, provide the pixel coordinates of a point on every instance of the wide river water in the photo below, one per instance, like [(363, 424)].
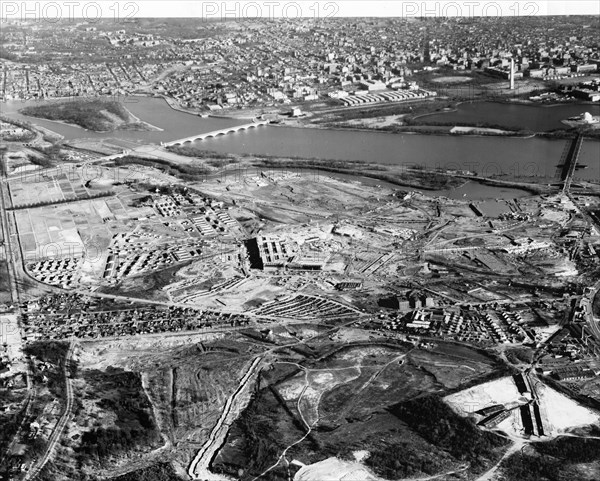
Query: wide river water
[(534, 158)]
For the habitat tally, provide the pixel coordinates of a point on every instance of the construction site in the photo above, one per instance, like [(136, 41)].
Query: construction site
[(314, 303)]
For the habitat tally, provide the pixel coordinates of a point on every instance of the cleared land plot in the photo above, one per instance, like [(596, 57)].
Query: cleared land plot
[(54, 231), (500, 391), (52, 186), (559, 414), (25, 193), (449, 372)]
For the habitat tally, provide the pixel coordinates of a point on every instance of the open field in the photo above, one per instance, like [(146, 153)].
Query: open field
[(452, 80)]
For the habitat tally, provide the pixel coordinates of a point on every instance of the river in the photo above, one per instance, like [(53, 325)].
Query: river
[(533, 159), (156, 111)]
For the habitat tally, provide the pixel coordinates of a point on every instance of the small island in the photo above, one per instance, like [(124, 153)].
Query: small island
[(97, 115)]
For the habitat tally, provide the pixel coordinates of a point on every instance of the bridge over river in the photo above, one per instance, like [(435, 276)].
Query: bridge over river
[(215, 133), (569, 162)]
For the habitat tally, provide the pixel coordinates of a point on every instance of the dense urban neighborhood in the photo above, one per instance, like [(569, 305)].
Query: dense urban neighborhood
[(258, 64)]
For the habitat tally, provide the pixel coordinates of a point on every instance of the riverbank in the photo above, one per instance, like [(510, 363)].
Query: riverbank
[(148, 127), (417, 178), (171, 102), (243, 168), (40, 133)]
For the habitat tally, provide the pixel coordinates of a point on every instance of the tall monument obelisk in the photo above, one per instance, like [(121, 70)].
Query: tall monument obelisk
[(511, 75)]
